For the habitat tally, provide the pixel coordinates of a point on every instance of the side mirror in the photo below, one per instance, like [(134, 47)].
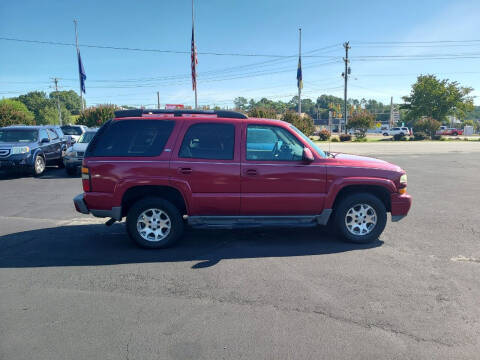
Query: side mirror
[(44, 140), (307, 155)]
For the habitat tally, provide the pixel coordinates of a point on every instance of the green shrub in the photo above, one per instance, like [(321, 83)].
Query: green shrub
[(360, 139), (437, 137), (335, 139), (96, 116), (427, 125), (302, 123), (262, 112), (399, 137), (14, 112), (324, 135), (345, 137), (420, 135)]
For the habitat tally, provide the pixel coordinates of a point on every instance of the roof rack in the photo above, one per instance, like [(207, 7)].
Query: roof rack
[(179, 112)]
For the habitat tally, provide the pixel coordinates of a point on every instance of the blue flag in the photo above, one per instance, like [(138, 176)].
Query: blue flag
[(299, 73), (81, 72)]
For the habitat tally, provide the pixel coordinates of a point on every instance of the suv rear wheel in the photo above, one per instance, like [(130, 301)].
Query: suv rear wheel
[(360, 218), (154, 223)]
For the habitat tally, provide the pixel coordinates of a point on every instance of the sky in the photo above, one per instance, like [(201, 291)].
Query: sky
[(392, 42)]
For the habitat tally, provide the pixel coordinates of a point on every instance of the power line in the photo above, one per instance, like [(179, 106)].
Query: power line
[(57, 43)]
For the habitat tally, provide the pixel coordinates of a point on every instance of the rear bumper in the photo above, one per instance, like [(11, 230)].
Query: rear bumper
[(400, 205), (81, 207)]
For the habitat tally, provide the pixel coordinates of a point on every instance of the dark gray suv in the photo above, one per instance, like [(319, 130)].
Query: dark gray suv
[(30, 148)]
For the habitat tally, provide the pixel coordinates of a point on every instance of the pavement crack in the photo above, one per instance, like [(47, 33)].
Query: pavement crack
[(383, 327)]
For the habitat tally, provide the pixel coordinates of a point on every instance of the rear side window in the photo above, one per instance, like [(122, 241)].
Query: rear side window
[(53, 134), (208, 141), (133, 138)]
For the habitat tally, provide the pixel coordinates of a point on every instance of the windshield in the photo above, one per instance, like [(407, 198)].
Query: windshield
[(86, 137), (71, 130), (26, 136), (310, 142)]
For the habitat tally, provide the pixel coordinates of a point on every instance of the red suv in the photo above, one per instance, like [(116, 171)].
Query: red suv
[(162, 169)]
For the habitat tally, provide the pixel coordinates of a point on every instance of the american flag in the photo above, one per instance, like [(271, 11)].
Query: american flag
[(194, 62)]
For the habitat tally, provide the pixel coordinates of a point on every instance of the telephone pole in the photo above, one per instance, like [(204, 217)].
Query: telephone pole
[(345, 75), (55, 80), (158, 99)]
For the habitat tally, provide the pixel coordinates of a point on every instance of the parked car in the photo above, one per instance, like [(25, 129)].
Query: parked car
[(221, 169), (397, 131), (74, 155), (67, 139), (443, 130), (30, 148), (74, 131)]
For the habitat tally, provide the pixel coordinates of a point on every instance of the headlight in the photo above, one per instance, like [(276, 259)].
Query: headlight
[(20, 150), (403, 179)]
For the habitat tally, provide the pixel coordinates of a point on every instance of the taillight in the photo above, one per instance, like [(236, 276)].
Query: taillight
[(86, 179), (402, 188)]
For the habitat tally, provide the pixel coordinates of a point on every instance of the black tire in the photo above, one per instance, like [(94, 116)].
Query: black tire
[(37, 170), (350, 201), (71, 170), (455, 134), (385, 134), (176, 227)]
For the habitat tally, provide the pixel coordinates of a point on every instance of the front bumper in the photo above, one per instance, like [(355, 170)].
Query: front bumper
[(20, 161), (81, 207), (400, 205), (72, 161)]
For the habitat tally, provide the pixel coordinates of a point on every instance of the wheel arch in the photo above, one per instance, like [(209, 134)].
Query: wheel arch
[(169, 193), (380, 191)]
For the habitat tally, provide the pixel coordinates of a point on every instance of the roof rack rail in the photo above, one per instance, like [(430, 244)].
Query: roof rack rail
[(179, 112)]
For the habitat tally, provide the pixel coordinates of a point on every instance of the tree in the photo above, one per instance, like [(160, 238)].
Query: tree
[(36, 101), (361, 120), (49, 115), (14, 112), (97, 116), (262, 112), (70, 99), (436, 99), (241, 103), (302, 123), (427, 125)]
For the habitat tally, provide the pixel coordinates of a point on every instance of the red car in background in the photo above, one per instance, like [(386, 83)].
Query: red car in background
[(449, 131)]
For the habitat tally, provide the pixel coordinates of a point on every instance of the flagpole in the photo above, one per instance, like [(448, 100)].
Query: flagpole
[(193, 31), (299, 57), (79, 75)]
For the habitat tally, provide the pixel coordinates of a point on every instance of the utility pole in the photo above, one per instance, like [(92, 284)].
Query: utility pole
[(299, 72), (346, 45), (55, 80), (158, 100), (391, 112), (79, 75)]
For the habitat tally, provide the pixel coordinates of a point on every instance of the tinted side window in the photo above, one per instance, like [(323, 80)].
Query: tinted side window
[(209, 141), (272, 143), (133, 138)]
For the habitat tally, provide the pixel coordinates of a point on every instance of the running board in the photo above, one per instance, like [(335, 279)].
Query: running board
[(231, 222)]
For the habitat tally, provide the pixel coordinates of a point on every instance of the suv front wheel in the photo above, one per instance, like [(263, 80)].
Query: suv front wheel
[(360, 218), (154, 223)]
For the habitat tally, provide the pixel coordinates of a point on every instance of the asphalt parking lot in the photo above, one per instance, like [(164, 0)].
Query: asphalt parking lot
[(72, 288)]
